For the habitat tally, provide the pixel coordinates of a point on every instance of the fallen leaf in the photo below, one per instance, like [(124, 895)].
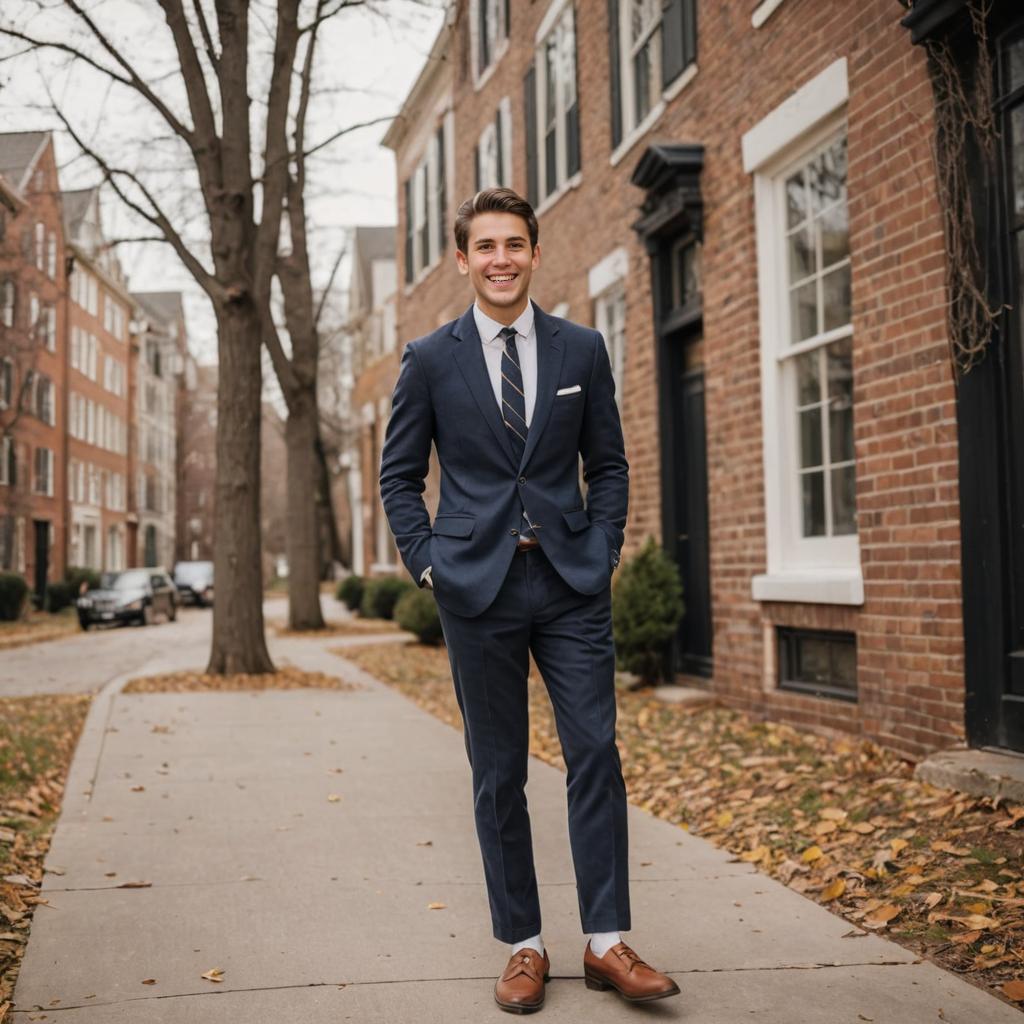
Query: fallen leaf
[(932, 899), (834, 891), (863, 828), (425, 842), (134, 885), (898, 846), (823, 828), (138, 789), (214, 974), (436, 906), (1014, 990), (811, 854), (833, 814), (882, 916), (965, 938), (148, 981), (333, 798), (724, 820)]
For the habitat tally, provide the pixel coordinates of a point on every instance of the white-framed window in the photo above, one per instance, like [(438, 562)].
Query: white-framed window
[(426, 204), (42, 398), (92, 349), (606, 284), (51, 256), (6, 382), (95, 489), (8, 470), (653, 42), (488, 26), (90, 428), (51, 328), (35, 326), (92, 295), (493, 153), (798, 156), (8, 300), (42, 482), (113, 316), (40, 246), (552, 106)]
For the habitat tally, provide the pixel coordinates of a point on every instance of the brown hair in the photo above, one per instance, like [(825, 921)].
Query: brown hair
[(494, 200)]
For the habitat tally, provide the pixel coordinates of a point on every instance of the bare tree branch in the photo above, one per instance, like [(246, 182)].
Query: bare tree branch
[(330, 284), (204, 30)]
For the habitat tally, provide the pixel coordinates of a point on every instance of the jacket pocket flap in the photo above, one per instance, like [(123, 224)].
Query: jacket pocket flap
[(454, 526), (577, 519)]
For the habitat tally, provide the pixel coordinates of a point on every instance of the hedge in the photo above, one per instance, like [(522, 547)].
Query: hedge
[(381, 595), (416, 611)]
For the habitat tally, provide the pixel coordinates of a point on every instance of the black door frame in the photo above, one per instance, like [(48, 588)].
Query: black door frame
[(672, 213)]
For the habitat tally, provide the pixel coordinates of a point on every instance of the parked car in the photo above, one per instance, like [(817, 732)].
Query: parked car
[(194, 581), (135, 595)]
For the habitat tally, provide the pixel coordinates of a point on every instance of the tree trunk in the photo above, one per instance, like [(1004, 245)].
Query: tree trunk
[(330, 542), (303, 527), (239, 644)]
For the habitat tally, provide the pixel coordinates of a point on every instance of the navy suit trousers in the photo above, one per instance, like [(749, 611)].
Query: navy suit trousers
[(570, 637)]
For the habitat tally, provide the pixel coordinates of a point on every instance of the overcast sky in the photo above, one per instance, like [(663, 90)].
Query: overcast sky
[(367, 62)]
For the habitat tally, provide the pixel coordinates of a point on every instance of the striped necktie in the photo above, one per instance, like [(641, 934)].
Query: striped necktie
[(513, 405)]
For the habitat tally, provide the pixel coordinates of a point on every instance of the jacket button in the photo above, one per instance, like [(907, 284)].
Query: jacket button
[(522, 479), (514, 533)]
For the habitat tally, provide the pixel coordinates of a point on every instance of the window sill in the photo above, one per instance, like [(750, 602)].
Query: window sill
[(636, 134), (837, 586), (764, 11), (479, 81), (567, 186)]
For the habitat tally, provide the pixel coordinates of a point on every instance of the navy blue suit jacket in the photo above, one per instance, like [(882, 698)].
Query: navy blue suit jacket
[(444, 397)]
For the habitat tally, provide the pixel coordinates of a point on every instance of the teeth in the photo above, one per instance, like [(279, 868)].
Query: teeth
[(506, 277)]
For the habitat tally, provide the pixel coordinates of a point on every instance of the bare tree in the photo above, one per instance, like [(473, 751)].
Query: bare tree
[(214, 44)]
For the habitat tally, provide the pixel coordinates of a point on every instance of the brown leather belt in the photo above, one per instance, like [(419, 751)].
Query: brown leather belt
[(528, 544)]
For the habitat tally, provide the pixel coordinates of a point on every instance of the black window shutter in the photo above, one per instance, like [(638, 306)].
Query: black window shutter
[(408, 231), (442, 192), (530, 109), (689, 32), (673, 46), (572, 122), (614, 71), (500, 148)]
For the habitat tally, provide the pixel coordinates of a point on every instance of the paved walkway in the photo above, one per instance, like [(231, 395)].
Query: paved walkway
[(295, 839)]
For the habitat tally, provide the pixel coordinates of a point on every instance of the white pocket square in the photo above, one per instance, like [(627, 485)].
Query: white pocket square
[(568, 391)]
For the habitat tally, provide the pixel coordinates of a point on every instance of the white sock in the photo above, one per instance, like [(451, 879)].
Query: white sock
[(532, 943), (601, 942)]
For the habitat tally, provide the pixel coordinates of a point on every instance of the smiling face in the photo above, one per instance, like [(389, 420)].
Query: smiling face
[(499, 264)]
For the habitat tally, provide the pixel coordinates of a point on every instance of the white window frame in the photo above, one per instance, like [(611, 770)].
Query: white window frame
[(40, 246), (46, 491), (6, 382), (606, 282), (51, 328), (500, 128), (481, 75), (558, 13), (9, 298), (51, 256), (823, 570), (6, 445)]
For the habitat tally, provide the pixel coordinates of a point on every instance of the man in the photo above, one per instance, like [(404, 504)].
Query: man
[(511, 397)]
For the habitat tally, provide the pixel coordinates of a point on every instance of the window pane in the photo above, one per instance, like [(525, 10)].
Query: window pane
[(810, 438), (808, 378), (1017, 158), (844, 665), (642, 83), (826, 176), (813, 488), (1015, 64), (843, 501), (835, 235), (803, 312), (801, 254), (836, 293), (796, 200), (814, 664), (840, 390)]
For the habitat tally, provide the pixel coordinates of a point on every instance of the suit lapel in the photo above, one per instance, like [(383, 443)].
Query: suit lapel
[(549, 366), (469, 356)]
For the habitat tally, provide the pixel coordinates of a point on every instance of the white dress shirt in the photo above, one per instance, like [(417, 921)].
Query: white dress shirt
[(526, 345)]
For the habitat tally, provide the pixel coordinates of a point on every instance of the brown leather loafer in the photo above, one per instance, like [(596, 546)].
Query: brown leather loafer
[(521, 988), (621, 969)]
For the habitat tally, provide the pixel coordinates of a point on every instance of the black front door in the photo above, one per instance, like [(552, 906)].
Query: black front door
[(686, 502), (42, 556)]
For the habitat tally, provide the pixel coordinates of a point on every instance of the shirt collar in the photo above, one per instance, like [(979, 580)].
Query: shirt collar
[(490, 329)]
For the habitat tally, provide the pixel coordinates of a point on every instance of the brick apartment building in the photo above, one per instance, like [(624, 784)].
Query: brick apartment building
[(742, 197), (99, 413), (371, 358), (158, 354), (33, 308)]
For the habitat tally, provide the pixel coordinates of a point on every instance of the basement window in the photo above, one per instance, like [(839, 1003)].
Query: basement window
[(818, 662)]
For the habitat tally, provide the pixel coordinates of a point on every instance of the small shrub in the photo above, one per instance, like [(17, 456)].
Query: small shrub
[(416, 611), (381, 595), (350, 592), (59, 596), (77, 573), (13, 591), (647, 606)]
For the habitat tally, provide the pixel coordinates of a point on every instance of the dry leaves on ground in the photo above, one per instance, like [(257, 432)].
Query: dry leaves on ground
[(346, 627), (197, 682), (37, 738), (840, 820), (37, 627)]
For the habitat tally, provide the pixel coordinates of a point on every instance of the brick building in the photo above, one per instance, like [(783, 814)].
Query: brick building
[(33, 358), (99, 314), (742, 198), (158, 352), (197, 475), (371, 364)]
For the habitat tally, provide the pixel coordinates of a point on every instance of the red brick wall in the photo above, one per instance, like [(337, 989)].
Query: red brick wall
[(17, 260), (910, 666)]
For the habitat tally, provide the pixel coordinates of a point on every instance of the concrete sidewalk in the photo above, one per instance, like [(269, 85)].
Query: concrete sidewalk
[(295, 839)]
